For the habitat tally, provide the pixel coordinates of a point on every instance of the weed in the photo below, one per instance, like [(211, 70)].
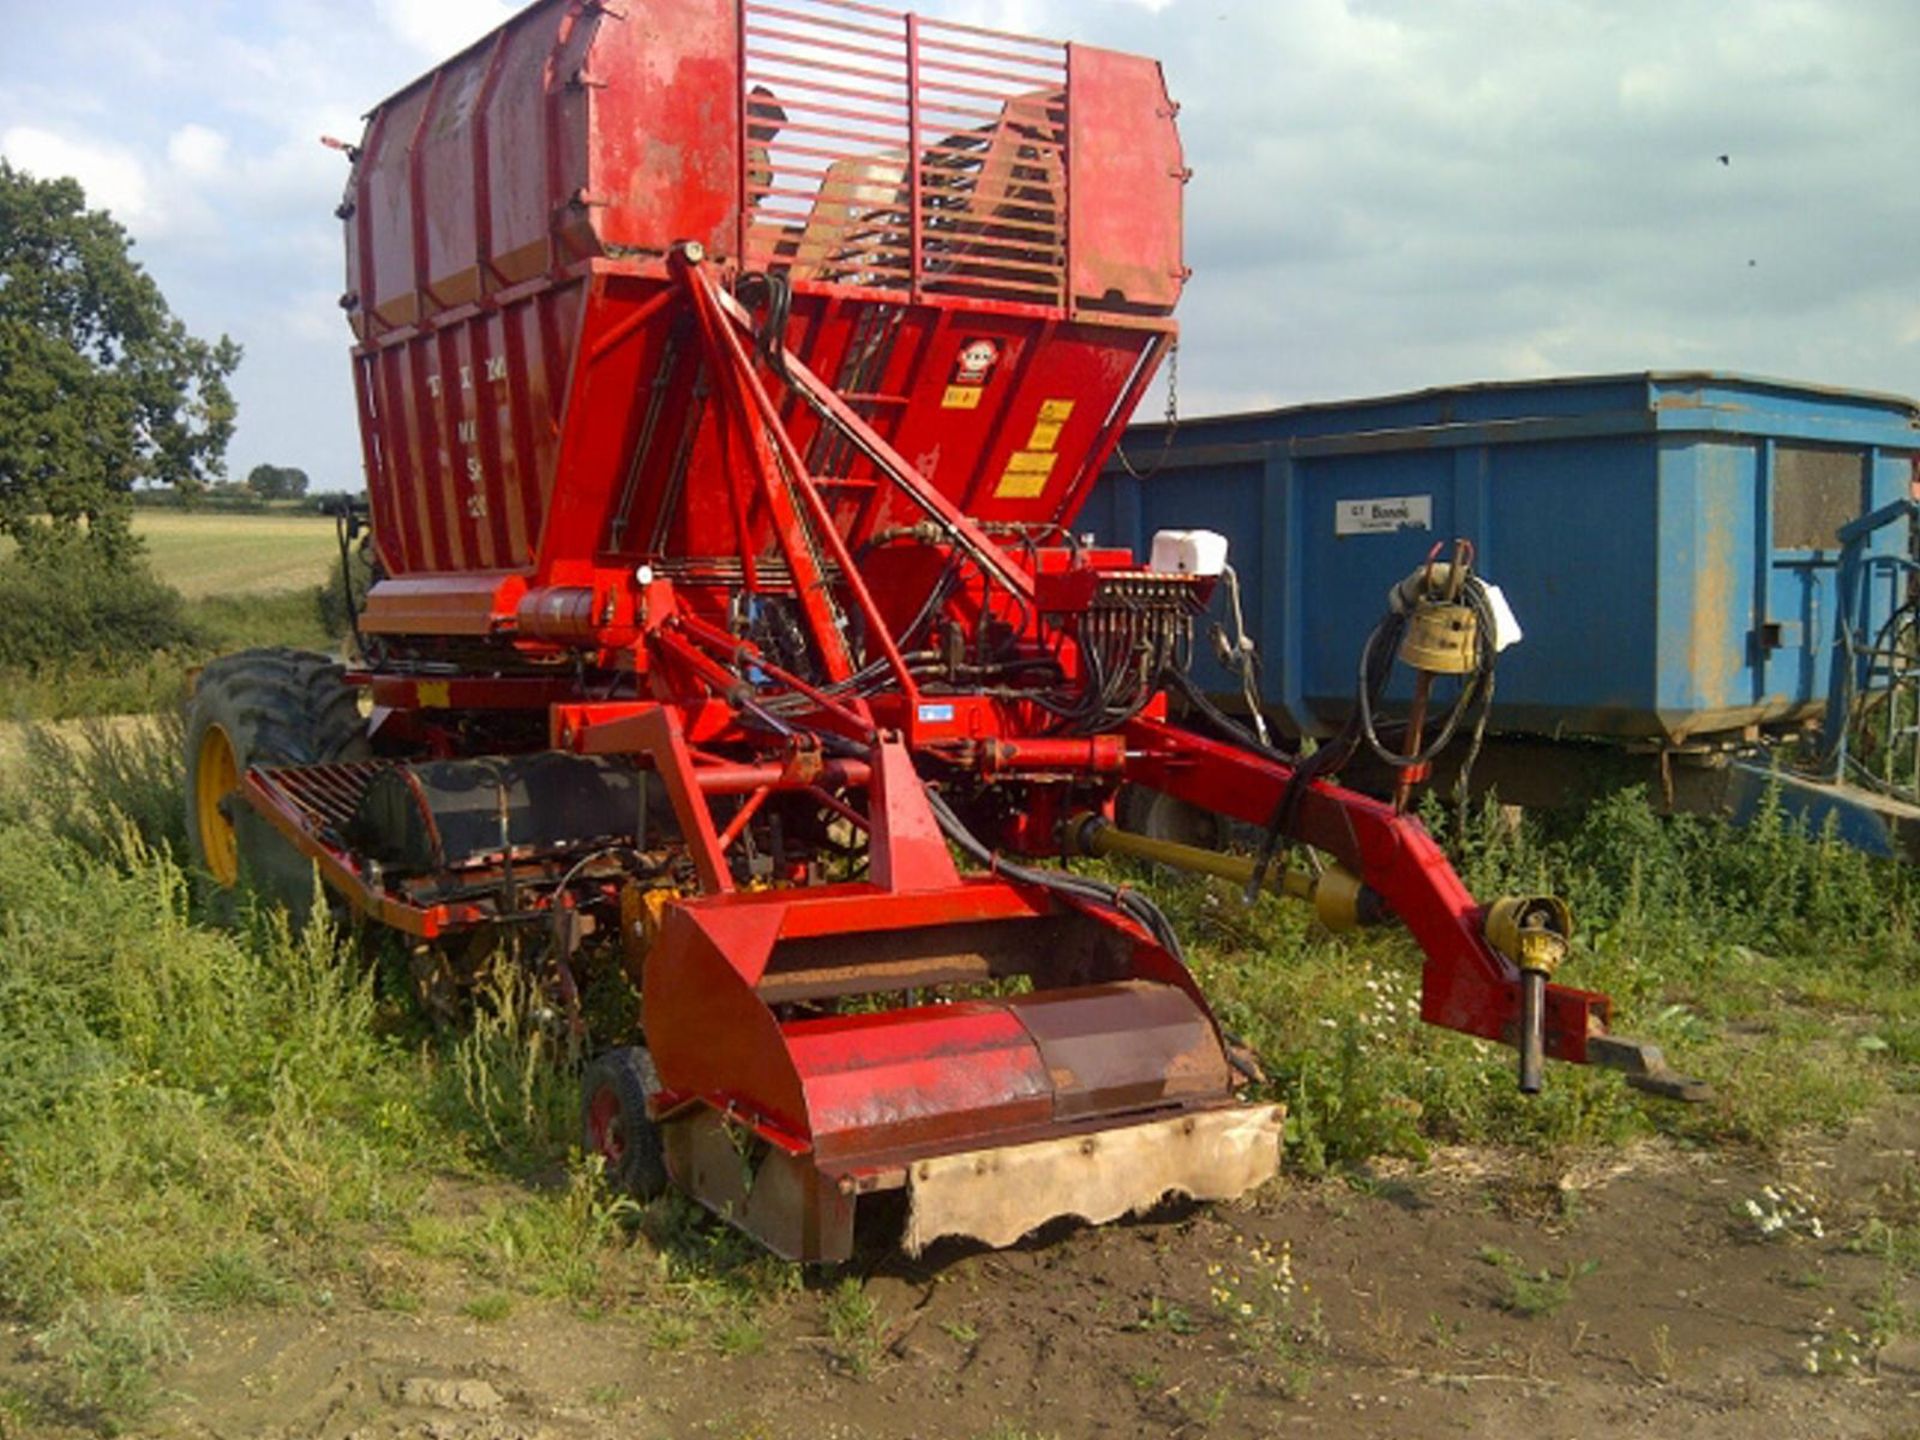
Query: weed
[(436, 1237), (1147, 1379), (1164, 1317), (1269, 1315), (1784, 1210), (1665, 1361), (19, 1412), (1898, 1244), (739, 1334), (560, 1244), (671, 1331), (489, 1309), (1888, 1317), (109, 1353), (1833, 1348), (1533, 1294), (516, 1086), (174, 1096), (1206, 1407), (398, 1300), (1443, 1334), (853, 1325), (237, 1276), (962, 1332)]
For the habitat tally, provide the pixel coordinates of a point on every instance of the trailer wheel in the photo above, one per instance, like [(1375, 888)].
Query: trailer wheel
[(1163, 817), (272, 707), (614, 1124)]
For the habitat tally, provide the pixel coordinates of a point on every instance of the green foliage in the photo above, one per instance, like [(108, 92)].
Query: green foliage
[(71, 599), (110, 1350), (277, 482), (176, 1096), (1732, 947), (139, 684), (198, 1117), (348, 581), (88, 784), (489, 1308), (853, 1325), (1533, 1294), (100, 386)]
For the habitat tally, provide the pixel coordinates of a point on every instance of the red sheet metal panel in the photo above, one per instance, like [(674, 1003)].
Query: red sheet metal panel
[(507, 223), (1126, 207)]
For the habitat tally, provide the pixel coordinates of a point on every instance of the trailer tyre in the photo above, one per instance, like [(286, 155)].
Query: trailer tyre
[(614, 1123), (262, 707)]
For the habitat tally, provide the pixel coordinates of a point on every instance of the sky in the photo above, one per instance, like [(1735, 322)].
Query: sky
[(1387, 194)]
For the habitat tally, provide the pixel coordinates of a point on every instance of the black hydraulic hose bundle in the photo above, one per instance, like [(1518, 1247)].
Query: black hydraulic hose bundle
[(1476, 690), (1084, 888), (759, 288), (1375, 670)]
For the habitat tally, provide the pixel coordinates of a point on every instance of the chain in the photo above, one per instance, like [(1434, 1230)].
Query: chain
[(1171, 420)]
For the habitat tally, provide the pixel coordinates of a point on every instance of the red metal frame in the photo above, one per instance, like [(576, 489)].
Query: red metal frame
[(596, 468)]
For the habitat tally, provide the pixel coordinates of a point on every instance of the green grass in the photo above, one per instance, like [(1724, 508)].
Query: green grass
[(1757, 957), (199, 1116)]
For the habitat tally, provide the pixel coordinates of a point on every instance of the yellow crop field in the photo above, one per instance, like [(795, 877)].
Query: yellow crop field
[(226, 554)]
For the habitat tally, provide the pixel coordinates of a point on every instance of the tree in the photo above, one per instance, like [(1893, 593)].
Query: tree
[(277, 482), (100, 386)]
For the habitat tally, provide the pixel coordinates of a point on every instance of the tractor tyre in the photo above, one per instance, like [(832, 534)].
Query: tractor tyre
[(614, 1125), (262, 707)]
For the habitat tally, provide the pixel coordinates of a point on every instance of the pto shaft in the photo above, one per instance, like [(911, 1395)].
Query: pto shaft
[(1339, 900)]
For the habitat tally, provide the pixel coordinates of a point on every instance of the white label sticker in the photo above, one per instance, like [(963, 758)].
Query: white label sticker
[(1383, 516)]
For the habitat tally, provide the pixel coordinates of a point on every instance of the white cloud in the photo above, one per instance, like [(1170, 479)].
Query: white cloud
[(198, 151), (112, 175), (1387, 193)]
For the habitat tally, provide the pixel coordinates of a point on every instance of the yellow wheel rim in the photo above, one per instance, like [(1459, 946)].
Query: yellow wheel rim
[(216, 775)]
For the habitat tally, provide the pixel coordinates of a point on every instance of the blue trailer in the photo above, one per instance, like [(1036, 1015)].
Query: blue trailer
[(1668, 540)]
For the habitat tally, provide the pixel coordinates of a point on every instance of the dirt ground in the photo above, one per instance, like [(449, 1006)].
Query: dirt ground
[(1666, 1312)]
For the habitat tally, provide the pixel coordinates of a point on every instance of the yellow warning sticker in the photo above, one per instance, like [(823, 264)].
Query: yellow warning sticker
[(1025, 476), (1060, 410), (1046, 434), (432, 694), (962, 397)]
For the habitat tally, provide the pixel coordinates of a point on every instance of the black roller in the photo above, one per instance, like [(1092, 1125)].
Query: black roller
[(443, 814)]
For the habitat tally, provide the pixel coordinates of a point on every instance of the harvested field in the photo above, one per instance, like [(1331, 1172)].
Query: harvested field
[(212, 553)]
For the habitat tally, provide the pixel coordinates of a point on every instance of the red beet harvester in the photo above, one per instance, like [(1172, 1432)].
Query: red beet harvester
[(730, 375)]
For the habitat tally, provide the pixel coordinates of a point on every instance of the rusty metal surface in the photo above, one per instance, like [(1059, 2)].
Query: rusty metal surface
[(782, 1200), (1124, 1047), (998, 1195)]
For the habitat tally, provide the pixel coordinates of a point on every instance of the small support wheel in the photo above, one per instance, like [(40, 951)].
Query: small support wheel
[(614, 1124)]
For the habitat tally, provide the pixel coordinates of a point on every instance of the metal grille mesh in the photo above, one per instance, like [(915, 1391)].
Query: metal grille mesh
[(901, 153)]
